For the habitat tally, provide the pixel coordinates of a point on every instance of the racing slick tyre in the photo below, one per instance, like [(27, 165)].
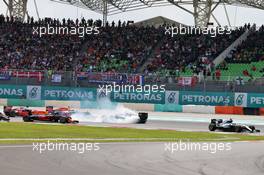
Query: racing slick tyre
[(238, 129), (252, 128), (75, 122), (27, 119), (143, 117), (63, 120), (11, 114), (212, 127)]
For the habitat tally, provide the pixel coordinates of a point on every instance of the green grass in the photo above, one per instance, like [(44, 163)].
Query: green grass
[(37, 131)]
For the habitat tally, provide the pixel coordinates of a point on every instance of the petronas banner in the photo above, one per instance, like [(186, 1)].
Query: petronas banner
[(138, 97), (255, 100), (68, 93), (206, 98), (13, 91), (173, 98)]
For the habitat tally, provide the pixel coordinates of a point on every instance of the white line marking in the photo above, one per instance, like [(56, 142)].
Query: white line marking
[(15, 146)]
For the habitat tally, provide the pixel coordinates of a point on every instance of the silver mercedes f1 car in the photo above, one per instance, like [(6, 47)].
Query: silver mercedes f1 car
[(230, 126)]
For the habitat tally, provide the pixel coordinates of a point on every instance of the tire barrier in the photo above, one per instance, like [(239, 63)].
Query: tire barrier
[(261, 111), (229, 110), (251, 111), (238, 110)]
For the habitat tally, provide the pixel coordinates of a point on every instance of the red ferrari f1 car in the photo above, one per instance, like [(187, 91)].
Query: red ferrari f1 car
[(60, 115), (14, 112)]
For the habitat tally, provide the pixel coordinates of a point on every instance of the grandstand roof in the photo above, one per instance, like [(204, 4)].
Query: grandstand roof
[(202, 9), (157, 21)]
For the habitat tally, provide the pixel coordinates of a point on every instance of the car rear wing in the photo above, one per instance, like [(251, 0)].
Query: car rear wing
[(216, 121)]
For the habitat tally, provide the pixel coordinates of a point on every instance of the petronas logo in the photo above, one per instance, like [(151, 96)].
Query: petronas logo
[(172, 98), (33, 92), (240, 99)]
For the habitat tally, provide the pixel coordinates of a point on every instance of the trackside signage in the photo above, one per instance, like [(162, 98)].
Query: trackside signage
[(137, 97), (255, 100), (34, 92), (12, 91), (206, 98), (241, 99), (172, 97), (67, 93)]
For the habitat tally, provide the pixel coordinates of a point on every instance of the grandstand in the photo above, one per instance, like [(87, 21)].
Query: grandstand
[(137, 48)]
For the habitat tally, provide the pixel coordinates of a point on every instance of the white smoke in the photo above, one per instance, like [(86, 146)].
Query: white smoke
[(118, 114)]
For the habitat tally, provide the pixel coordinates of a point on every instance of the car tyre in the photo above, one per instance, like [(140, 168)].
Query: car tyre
[(63, 120), (12, 114), (212, 127), (238, 129), (27, 119), (252, 128)]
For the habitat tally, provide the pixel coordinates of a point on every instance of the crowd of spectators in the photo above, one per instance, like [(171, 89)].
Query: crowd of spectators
[(119, 47), (193, 51), (20, 49), (122, 48), (251, 50)]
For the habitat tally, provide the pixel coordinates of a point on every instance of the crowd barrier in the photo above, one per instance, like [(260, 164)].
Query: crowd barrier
[(139, 107), (198, 109), (3, 102), (72, 104), (167, 108)]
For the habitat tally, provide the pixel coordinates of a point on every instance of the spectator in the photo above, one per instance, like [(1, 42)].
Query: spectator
[(218, 74), (253, 68)]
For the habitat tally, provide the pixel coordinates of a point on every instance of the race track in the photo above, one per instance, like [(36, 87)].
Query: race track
[(168, 125), (133, 159), (177, 121), (245, 158)]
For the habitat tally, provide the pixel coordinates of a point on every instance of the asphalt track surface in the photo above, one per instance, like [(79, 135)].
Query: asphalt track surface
[(134, 159), (167, 125), (245, 158), (158, 124)]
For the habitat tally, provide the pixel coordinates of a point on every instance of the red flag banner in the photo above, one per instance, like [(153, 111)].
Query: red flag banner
[(187, 81), (38, 75)]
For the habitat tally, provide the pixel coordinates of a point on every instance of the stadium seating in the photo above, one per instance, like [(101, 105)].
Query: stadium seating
[(123, 48), (20, 49), (248, 58), (178, 55), (118, 49)]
